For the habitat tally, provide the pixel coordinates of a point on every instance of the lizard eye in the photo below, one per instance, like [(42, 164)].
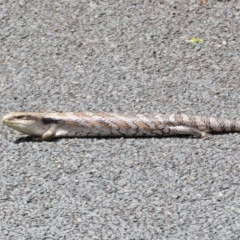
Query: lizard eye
[(26, 117), (20, 117)]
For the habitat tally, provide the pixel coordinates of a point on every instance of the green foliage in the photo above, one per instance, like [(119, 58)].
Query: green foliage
[(196, 40)]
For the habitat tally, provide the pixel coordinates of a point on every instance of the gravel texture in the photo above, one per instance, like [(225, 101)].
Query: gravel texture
[(120, 56)]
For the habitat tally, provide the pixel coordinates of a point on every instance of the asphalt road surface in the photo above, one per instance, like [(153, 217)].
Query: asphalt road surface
[(126, 57)]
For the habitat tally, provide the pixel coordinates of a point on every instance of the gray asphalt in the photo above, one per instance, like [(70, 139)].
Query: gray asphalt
[(120, 56)]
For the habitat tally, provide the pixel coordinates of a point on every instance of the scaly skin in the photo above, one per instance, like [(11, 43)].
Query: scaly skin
[(46, 126)]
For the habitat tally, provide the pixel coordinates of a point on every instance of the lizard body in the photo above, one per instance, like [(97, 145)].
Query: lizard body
[(86, 124)]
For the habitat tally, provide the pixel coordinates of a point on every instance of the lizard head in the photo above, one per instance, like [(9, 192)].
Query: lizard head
[(27, 122)]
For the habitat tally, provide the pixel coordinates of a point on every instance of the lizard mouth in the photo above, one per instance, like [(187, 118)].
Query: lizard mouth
[(10, 123)]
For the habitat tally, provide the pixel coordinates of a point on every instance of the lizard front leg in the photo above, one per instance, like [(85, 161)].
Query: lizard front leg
[(47, 136)]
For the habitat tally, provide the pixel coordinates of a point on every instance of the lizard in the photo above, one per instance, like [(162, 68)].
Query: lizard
[(46, 126)]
